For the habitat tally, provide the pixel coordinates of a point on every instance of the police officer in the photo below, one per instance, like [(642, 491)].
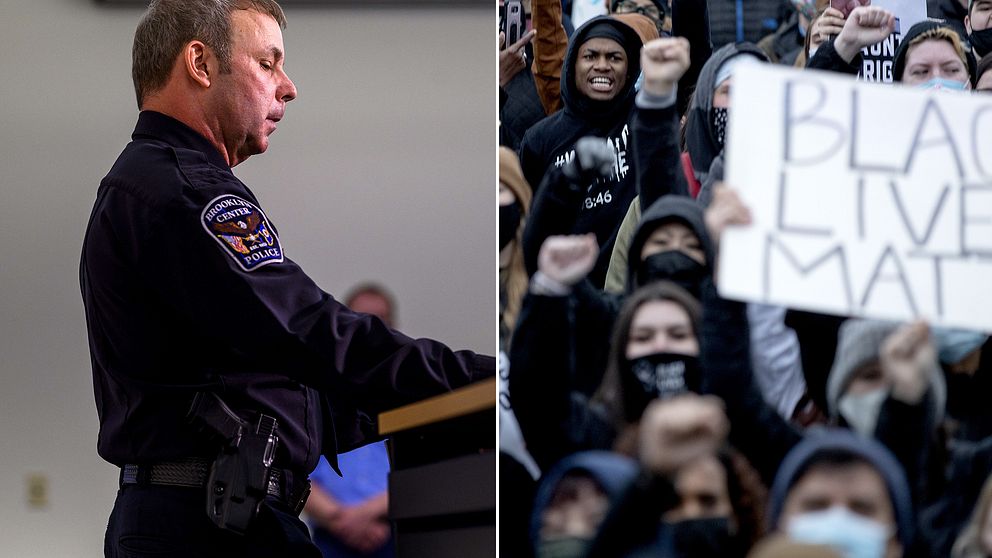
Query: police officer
[(190, 298)]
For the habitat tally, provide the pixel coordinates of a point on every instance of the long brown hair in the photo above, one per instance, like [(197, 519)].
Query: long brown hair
[(513, 277), (609, 394)]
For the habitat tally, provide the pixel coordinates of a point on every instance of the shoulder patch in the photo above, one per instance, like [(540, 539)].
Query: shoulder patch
[(242, 230)]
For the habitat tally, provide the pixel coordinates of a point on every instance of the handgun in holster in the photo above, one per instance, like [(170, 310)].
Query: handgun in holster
[(239, 476)]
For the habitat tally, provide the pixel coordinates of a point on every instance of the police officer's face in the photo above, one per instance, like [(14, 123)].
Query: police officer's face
[(252, 98)]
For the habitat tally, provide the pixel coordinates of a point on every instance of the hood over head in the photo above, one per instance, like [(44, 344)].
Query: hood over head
[(584, 107), (699, 139), (871, 451), (612, 471), (859, 341), (645, 27), (899, 61), (667, 208)]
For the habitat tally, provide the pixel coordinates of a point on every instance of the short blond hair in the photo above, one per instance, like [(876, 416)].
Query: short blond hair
[(941, 34)]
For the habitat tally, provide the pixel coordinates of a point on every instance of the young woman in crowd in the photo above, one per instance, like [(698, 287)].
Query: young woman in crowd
[(933, 55)]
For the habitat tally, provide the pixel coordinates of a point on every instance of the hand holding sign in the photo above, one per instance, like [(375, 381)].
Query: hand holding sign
[(864, 27), (663, 62), (725, 209)]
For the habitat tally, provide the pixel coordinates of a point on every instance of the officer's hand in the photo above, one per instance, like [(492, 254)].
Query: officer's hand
[(594, 158), (567, 259), (865, 26), (663, 62)]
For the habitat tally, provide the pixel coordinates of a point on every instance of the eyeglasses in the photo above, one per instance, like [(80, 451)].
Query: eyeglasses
[(631, 7)]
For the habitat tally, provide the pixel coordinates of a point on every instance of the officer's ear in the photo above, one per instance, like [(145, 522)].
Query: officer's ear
[(198, 61)]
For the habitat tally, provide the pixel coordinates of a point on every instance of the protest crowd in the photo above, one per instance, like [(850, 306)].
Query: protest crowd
[(681, 372)]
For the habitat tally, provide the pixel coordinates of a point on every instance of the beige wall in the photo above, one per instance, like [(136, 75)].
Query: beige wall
[(384, 168)]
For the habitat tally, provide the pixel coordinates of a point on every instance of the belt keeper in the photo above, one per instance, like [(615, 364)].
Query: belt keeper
[(135, 474)]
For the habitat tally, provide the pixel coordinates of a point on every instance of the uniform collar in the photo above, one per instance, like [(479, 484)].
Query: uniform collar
[(165, 128)]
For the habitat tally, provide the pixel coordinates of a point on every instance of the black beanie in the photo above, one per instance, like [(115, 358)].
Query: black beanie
[(899, 63), (606, 31)]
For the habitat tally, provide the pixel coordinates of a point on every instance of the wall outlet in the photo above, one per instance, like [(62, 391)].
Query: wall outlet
[(37, 491)]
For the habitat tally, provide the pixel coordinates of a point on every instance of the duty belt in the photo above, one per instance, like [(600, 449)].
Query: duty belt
[(194, 471)]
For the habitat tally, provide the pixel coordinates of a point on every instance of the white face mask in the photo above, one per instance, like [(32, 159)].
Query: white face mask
[(861, 411), (855, 536)]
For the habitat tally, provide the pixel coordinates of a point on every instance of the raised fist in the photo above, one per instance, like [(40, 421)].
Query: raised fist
[(594, 158), (867, 25), (568, 259), (663, 62)]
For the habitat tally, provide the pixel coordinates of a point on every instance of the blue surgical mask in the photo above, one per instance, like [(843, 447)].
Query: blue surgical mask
[(941, 83), (955, 344), (855, 536)]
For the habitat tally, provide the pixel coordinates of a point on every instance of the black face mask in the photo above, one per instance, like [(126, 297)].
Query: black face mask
[(509, 221), (657, 376), (675, 266), (982, 41), (718, 120), (703, 538)]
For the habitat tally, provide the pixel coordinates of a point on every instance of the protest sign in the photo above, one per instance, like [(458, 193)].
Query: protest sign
[(876, 60), (868, 199)]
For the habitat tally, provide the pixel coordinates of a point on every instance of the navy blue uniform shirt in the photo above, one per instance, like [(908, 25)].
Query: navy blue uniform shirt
[(186, 287)]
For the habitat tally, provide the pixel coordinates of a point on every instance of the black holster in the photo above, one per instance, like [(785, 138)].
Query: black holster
[(239, 476)]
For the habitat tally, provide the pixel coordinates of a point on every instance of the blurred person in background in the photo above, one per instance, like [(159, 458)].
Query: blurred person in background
[(695, 497), (976, 538), (843, 490), (349, 513), (518, 471), (573, 499)]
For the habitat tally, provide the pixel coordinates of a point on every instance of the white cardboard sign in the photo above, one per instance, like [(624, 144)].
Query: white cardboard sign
[(868, 200)]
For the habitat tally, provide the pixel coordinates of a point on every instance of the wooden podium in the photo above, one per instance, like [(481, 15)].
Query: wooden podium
[(442, 483)]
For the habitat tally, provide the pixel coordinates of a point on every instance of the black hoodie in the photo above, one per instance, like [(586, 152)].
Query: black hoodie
[(598, 207), (700, 140), (950, 11), (668, 208), (561, 348)]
